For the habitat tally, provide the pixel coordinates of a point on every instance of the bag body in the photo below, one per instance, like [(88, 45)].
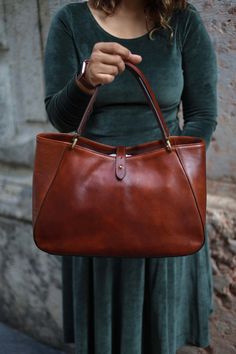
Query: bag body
[(93, 199)]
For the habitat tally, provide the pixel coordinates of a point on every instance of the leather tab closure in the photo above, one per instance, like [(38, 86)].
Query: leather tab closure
[(120, 162)]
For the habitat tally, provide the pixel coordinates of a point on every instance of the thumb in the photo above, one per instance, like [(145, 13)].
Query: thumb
[(134, 58)]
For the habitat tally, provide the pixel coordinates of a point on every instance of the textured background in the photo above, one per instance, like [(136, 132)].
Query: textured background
[(30, 297)]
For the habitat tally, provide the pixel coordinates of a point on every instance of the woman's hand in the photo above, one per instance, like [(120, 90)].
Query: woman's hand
[(106, 62)]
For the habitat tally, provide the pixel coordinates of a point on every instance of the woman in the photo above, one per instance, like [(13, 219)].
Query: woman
[(142, 305)]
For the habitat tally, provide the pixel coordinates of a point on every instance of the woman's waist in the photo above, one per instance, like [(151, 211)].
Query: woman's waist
[(120, 123), (136, 132)]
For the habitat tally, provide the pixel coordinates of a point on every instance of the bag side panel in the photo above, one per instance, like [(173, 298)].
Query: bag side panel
[(48, 155), (193, 160)]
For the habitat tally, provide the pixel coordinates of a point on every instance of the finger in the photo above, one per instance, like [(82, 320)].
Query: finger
[(135, 58), (107, 69), (113, 48), (105, 78), (114, 60), (118, 49)]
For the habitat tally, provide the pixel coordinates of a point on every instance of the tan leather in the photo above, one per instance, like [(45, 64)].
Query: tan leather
[(125, 201)]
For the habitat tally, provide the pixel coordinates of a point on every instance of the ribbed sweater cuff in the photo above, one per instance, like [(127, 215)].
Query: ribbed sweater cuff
[(75, 93)]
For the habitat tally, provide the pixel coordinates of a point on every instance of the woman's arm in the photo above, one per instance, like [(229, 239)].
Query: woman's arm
[(65, 101), (199, 96)]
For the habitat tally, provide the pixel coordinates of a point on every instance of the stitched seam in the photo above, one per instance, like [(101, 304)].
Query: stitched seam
[(49, 188), (178, 153)]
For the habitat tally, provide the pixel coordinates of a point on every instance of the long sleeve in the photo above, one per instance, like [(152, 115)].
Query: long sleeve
[(199, 64), (65, 102)]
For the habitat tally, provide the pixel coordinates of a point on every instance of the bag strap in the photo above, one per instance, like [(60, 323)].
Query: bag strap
[(152, 101)]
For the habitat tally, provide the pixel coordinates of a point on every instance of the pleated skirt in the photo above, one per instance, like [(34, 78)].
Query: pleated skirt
[(142, 305)]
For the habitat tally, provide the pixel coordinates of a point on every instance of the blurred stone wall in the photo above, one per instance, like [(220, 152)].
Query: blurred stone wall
[(220, 20), (30, 295)]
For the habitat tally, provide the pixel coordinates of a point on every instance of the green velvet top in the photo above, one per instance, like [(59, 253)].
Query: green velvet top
[(184, 69)]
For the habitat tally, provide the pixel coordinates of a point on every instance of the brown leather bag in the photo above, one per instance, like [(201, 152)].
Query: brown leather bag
[(92, 199)]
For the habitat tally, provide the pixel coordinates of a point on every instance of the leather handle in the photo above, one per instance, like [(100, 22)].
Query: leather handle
[(152, 101)]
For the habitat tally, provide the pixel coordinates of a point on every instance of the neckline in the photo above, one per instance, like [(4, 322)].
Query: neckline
[(145, 35)]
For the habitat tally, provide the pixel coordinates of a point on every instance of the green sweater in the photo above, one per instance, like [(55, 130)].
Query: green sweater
[(182, 70), (173, 296)]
